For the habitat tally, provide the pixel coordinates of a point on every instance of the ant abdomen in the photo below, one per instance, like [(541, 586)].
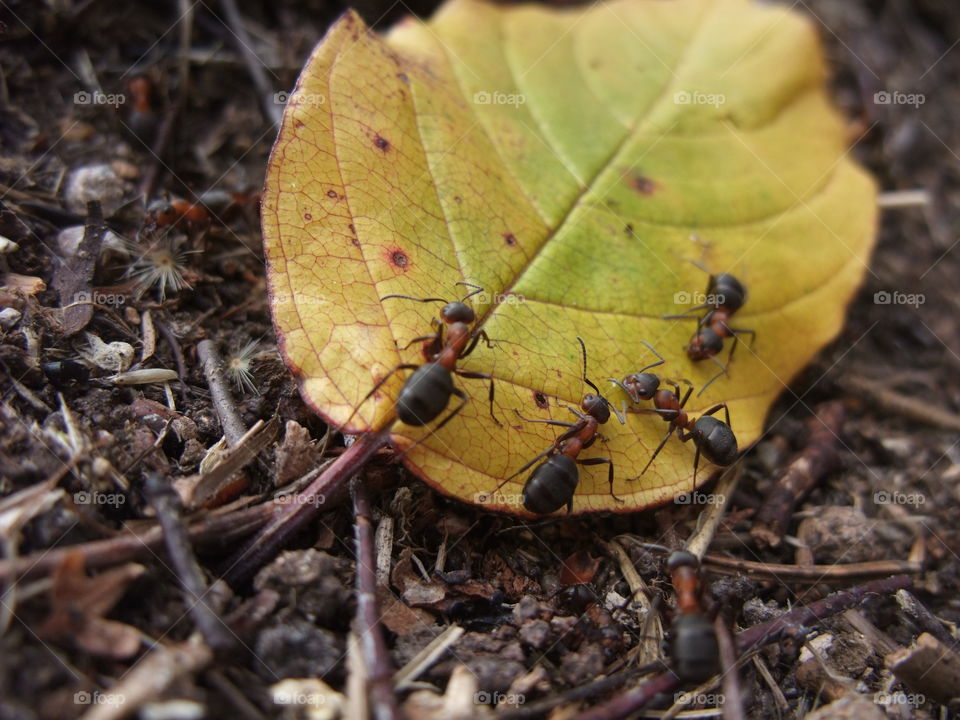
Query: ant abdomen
[(718, 442), (551, 485), (424, 395), (729, 292), (693, 648)]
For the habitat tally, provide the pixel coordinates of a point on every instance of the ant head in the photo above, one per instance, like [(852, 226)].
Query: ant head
[(596, 406), (680, 558), (457, 312), (641, 386), (729, 292), (704, 344), (716, 440)]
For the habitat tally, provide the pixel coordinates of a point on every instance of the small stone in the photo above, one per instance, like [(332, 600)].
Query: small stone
[(9, 318), (94, 182)]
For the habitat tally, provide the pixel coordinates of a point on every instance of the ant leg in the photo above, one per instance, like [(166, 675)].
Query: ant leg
[(574, 410), (687, 395), (602, 461), (549, 451), (477, 289), (655, 453), (716, 407), (744, 331), (481, 376), (630, 394), (436, 336), (376, 387), (723, 371), (473, 343), (544, 422), (684, 437)]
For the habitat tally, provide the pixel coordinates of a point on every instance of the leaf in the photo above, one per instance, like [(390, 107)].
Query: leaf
[(561, 159)]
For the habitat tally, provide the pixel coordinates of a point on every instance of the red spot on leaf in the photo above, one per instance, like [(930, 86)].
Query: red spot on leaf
[(403, 78), (381, 142), (510, 239), (332, 194), (643, 185), (398, 258), (307, 216), (541, 400), (298, 124)]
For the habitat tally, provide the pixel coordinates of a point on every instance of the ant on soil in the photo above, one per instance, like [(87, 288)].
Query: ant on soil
[(712, 437), (725, 295), (693, 648), (426, 393), (552, 484)]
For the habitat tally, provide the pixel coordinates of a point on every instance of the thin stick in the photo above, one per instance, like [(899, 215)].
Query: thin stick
[(405, 676), (902, 404), (166, 502), (383, 700), (805, 470), (710, 520), (302, 508), (271, 110), (233, 427)]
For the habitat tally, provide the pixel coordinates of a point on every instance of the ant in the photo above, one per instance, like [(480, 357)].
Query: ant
[(712, 437), (693, 648), (426, 393), (725, 295), (552, 484)]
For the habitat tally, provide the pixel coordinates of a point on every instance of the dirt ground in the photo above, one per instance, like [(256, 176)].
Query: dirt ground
[(74, 640)]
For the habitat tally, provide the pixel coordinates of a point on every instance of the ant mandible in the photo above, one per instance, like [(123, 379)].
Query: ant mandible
[(426, 393), (552, 484), (693, 648), (712, 437), (725, 296)]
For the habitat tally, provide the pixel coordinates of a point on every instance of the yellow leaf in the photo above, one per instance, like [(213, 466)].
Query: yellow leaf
[(561, 160)]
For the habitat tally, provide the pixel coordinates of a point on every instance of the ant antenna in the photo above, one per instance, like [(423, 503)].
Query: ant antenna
[(587, 380)]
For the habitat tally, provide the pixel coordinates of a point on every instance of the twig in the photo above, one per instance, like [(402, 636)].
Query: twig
[(211, 484), (383, 700), (732, 697), (651, 640), (633, 700), (301, 508), (271, 110), (233, 428), (74, 279), (923, 617), (903, 199), (805, 470), (929, 667), (178, 357), (808, 615), (901, 403), (812, 574), (166, 502), (404, 677), (153, 674), (711, 517)]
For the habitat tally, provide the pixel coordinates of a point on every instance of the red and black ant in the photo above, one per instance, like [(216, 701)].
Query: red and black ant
[(426, 393), (693, 648), (712, 437), (552, 484), (725, 295)]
